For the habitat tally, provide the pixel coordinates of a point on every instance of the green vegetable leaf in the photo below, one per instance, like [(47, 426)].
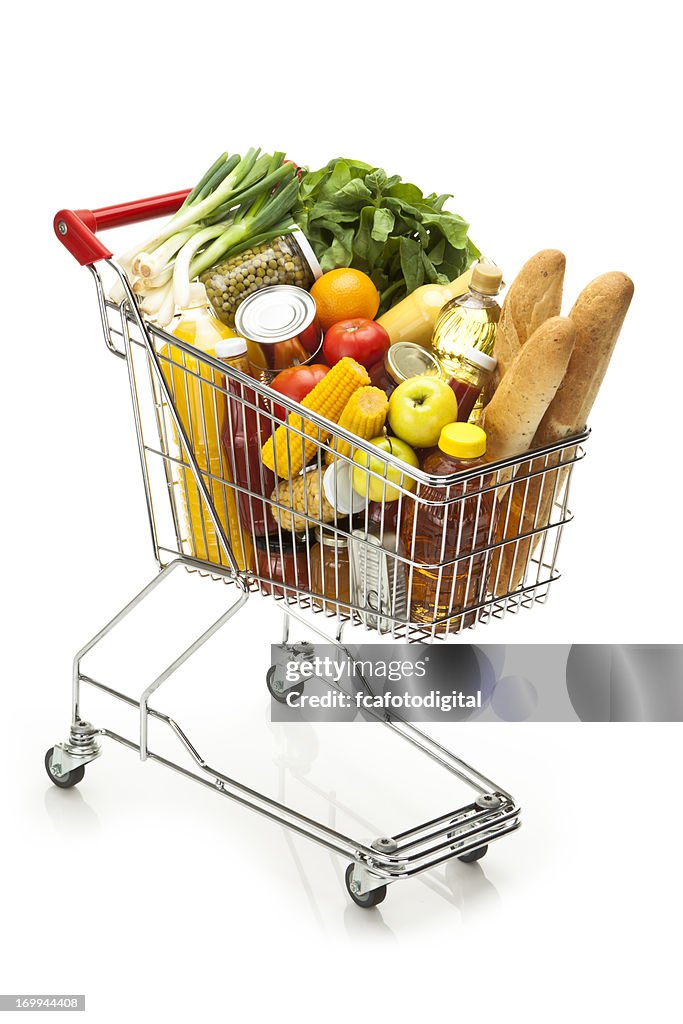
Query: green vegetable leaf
[(382, 225), (353, 195), (453, 228), (437, 252), (341, 247), (356, 215), (377, 181), (454, 263), (405, 192), (327, 210), (365, 248), (429, 269), (411, 263)]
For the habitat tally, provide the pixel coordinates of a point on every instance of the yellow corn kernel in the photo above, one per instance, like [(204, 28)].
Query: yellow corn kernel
[(364, 414), (286, 452)]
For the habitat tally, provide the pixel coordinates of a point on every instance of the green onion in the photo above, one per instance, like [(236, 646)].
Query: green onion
[(238, 202)]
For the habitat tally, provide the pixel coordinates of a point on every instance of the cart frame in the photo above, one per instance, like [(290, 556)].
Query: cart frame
[(462, 833)]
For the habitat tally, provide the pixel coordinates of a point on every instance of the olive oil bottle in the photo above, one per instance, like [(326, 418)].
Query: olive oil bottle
[(469, 320)]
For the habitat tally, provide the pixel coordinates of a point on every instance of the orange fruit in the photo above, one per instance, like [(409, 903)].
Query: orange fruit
[(344, 294)]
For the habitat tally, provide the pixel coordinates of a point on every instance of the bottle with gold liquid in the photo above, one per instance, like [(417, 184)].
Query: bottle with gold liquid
[(413, 318), (469, 321), (200, 401)]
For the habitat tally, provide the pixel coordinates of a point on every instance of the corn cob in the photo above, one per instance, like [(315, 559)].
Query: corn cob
[(364, 415), (287, 451)]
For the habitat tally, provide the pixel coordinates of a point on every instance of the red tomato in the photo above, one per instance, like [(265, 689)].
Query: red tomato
[(295, 383), (366, 341)]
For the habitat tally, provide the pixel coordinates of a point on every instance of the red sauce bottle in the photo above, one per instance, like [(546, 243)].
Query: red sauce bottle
[(472, 376), (246, 430)]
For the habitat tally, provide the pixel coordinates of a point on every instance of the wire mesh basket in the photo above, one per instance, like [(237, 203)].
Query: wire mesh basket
[(421, 556)]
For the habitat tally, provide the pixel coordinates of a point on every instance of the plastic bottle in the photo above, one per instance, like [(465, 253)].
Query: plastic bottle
[(246, 431), (441, 527), (414, 317), (202, 411), (469, 320)]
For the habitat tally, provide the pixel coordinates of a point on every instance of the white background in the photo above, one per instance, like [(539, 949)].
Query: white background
[(553, 125)]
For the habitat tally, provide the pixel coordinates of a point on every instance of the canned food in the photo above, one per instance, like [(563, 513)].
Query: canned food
[(379, 582), (280, 327), (287, 259), (403, 360)]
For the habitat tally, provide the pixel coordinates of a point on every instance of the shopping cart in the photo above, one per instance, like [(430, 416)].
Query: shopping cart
[(214, 510)]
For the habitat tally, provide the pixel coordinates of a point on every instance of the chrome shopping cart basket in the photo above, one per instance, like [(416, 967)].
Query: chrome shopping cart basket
[(214, 508)]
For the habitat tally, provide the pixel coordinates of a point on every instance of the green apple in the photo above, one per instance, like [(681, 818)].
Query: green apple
[(377, 488), (419, 408)]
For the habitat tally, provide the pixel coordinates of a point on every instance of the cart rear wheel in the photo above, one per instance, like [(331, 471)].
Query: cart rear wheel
[(368, 899), (469, 858), (68, 779), (281, 698)]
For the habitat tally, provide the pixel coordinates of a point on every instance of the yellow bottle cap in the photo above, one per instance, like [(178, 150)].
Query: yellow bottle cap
[(486, 278), (463, 440)]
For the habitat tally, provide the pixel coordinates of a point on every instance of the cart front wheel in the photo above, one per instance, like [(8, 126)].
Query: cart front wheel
[(469, 858), (68, 779), (368, 899), (277, 695)]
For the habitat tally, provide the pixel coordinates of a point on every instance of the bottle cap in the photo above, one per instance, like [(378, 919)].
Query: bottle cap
[(331, 540), (406, 359), (198, 296), (479, 358), (486, 278), (229, 348), (463, 440)]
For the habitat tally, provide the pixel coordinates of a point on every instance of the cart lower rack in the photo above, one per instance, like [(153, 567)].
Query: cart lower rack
[(213, 509)]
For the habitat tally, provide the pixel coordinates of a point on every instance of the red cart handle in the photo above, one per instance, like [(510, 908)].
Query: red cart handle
[(76, 229)]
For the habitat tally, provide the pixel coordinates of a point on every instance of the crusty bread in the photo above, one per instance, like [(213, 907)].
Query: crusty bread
[(512, 416), (534, 296), (598, 315)]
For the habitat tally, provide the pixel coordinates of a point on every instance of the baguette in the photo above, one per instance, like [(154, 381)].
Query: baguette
[(523, 396), (534, 296), (598, 315)]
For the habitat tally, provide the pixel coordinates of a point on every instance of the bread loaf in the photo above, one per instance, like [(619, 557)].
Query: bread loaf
[(534, 296), (598, 315), (522, 398)]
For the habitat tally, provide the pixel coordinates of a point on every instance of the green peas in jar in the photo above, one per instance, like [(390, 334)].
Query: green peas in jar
[(287, 259)]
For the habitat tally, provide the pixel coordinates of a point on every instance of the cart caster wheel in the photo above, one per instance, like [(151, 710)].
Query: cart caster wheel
[(281, 698), (469, 858), (368, 899), (67, 780)]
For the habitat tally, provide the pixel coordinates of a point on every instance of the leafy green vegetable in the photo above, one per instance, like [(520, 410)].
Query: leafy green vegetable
[(355, 215)]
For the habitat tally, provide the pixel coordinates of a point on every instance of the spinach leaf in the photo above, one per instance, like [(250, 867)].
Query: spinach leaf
[(356, 215), (411, 263), (382, 225)]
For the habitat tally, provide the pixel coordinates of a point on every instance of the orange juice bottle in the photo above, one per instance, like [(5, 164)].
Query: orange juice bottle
[(202, 411)]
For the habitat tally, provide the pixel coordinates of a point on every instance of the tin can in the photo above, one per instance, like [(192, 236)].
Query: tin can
[(379, 582), (405, 359), (281, 329)]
